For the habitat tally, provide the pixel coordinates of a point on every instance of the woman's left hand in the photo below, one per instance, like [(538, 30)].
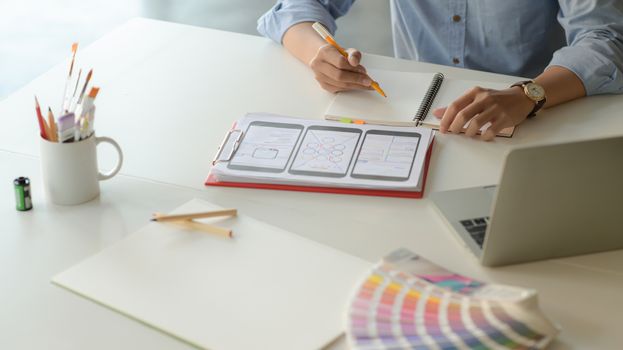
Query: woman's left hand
[(479, 106)]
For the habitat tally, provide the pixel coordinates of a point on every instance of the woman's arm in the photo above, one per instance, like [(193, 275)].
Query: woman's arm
[(289, 22), (302, 41), (508, 107), (591, 64), (561, 85), (333, 71)]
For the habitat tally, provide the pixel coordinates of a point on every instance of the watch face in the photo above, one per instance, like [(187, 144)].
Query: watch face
[(535, 91)]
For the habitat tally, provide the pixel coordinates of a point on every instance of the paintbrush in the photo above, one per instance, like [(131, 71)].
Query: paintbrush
[(74, 49)]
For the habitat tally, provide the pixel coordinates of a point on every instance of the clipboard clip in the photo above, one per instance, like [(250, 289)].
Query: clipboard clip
[(236, 136)]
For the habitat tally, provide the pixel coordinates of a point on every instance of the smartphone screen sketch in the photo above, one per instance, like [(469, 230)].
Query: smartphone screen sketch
[(386, 155), (266, 146), (325, 151)]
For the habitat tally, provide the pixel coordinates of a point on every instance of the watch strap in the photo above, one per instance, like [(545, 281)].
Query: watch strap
[(536, 108)]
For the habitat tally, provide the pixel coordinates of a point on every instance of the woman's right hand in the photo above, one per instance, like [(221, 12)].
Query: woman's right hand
[(335, 72)]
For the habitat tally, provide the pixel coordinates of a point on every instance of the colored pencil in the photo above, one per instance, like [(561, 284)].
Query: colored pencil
[(182, 217), (192, 225), (42, 126), (53, 135)]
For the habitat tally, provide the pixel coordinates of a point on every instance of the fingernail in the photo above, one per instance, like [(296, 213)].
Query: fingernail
[(367, 82)]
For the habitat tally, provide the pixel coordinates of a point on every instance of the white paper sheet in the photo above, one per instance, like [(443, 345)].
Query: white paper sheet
[(264, 289)]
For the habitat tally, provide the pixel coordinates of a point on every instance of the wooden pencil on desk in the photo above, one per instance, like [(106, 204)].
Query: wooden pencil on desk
[(186, 221), (207, 214), (198, 226)]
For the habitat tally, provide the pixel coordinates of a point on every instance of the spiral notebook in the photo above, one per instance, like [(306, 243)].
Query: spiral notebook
[(411, 98)]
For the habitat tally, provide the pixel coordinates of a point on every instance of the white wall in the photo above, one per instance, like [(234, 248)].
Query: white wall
[(36, 34)]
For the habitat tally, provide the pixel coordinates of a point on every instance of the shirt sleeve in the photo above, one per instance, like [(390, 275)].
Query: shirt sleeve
[(286, 13), (594, 30)]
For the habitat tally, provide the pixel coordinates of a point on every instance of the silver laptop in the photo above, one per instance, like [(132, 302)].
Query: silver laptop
[(552, 201)]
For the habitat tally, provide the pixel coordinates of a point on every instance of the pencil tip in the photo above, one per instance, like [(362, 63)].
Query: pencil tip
[(153, 219)]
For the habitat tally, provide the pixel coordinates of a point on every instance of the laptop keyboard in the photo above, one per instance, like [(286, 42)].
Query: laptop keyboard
[(476, 228)]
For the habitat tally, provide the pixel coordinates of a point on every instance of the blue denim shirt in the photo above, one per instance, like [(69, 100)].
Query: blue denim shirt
[(515, 37)]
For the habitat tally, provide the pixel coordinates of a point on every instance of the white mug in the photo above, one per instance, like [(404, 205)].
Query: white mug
[(70, 171)]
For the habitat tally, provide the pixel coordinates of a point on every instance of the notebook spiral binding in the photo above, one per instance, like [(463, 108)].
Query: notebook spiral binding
[(428, 99)]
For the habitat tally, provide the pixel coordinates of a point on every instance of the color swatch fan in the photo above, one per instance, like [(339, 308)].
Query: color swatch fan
[(407, 302)]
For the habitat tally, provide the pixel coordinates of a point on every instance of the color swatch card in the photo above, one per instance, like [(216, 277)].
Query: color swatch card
[(407, 302), (265, 288)]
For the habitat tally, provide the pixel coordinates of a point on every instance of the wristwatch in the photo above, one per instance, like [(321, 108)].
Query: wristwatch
[(535, 92)]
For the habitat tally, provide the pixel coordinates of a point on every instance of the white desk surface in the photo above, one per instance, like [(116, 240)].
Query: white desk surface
[(169, 92)]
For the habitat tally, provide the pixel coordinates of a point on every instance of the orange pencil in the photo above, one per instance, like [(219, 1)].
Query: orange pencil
[(324, 33)]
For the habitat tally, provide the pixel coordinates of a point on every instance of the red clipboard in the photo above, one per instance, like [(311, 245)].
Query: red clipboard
[(211, 181)]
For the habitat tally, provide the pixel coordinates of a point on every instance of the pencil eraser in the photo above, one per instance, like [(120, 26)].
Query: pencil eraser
[(321, 30)]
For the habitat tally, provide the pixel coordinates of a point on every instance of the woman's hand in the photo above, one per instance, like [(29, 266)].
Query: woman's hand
[(479, 106), (335, 72)]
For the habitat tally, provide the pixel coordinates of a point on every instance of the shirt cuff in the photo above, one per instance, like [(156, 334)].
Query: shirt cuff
[(274, 23), (597, 72)]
